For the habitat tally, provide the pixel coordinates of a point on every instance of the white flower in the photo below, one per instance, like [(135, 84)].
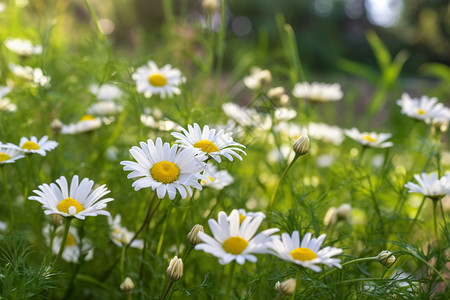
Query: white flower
[(86, 124), (244, 116), (163, 125), (5, 104), (104, 108), (258, 78), (317, 91), (152, 80), (216, 179), (105, 92), (307, 253), (284, 114), (35, 76), (244, 214), (78, 201), (120, 235), (209, 142), (4, 90), (430, 185), (2, 7), (234, 240), (317, 131), (72, 249), (9, 153), (2, 226), (371, 139), (425, 109), (41, 147), (22, 47), (165, 169)]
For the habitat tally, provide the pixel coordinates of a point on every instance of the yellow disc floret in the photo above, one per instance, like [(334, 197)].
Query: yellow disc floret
[(421, 111), (70, 241), (87, 118), (241, 218), (157, 80), (369, 138), (29, 145), (235, 245), (165, 172), (303, 254), (4, 157), (206, 146), (67, 203)]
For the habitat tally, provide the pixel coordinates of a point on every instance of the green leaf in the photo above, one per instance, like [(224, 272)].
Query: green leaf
[(379, 49)]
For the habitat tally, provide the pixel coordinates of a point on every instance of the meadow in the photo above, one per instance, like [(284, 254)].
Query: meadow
[(183, 163)]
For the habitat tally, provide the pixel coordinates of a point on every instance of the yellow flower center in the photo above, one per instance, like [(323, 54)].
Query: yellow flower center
[(157, 80), (369, 138), (67, 203), (165, 172), (29, 145), (421, 111), (241, 218), (70, 241), (303, 254), (87, 118), (235, 245), (4, 157), (210, 178), (206, 146)]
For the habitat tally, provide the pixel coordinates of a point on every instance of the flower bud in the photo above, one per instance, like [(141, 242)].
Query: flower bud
[(330, 217), (56, 220), (56, 125), (386, 258), (127, 285), (192, 236), (265, 77), (210, 6), (276, 93), (286, 287), (344, 211), (175, 269), (301, 145)]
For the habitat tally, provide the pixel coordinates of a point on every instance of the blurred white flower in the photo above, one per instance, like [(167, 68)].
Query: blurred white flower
[(41, 147), (424, 108), (317, 91), (9, 153), (104, 108), (22, 47), (258, 78), (430, 185), (162, 125), (216, 179), (2, 7), (284, 114), (87, 123), (371, 139), (105, 92), (120, 235), (5, 103), (35, 76)]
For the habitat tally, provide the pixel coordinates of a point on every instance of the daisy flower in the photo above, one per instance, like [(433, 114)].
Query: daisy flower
[(430, 185), (165, 168), (245, 116), (104, 108), (9, 153), (105, 92), (35, 76), (5, 104), (371, 139), (86, 124), (423, 108), (41, 147), (72, 249), (307, 253), (258, 78), (244, 214), (162, 125), (152, 80), (317, 91), (209, 142), (234, 240), (216, 179), (22, 47), (78, 201), (120, 235)]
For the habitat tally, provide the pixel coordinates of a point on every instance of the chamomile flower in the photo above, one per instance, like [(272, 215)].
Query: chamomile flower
[(120, 235), (78, 201), (5, 103), (152, 80), (307, 253), (209, 142), (166, 169), (423, 108), (105, 108), (244, 214), (371, 139), (87, 123), (105, 92), (22, 47), (234, 240), (72, 249), (32, 145), (317, 91), (34, 76), (9, 153), (258, 78), (430, 185), (216, 179)]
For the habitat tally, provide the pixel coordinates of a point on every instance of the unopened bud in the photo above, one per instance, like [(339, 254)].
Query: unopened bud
[(56, 125), (276, 93), (265, 77), (210, 6), (301, 145), (127, 285), (344, 211), (386, 258), (175, 269), (56, 220), (330, 217), (286, 287), (192, 236)]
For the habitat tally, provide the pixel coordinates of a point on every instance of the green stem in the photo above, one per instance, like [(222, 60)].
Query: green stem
[(297, 282), (230, 279), (163, 232), (220, 45), (435, 220), (65, 234), (146, 220), (418, 212), (122, 261), (168, 13), (274, 193), (10, 202), (167, 290), (348, 263), (186, 254), (27, 179), (95, 19)]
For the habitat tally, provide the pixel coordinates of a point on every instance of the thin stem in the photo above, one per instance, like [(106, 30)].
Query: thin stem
[(274, 193), (167, 290), (435, 220), (348, 263), (65, 234), (418, 212), (297, 282), (230, 279), (146, 220), (10, 202), (220, 45), (163, 233), (186, 254), (27, 179), (95, 19)]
